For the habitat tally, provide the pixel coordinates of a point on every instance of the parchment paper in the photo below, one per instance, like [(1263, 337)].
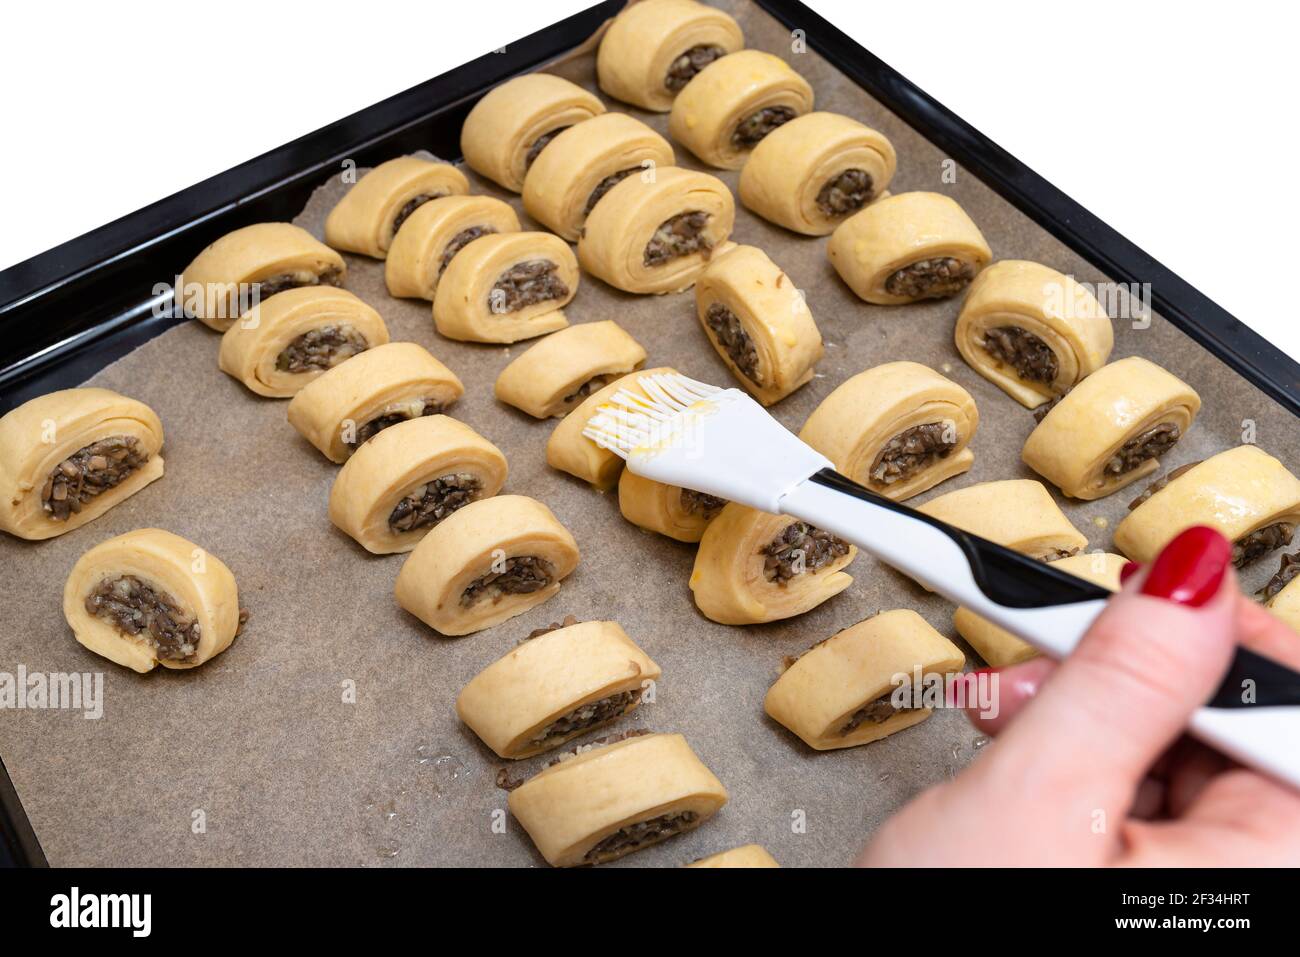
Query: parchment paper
[(256, 758)]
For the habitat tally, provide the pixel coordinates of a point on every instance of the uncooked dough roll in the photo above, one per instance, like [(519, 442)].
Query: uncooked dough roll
[(510, 127), (654, 48), (1245, 493), (680, 513), (554, 376), (759, 323), (754, 567), (811, 173), (1018, 514), (278, 347), (1033, 332), (899, 429), (1282, 593), (67, 457), (556, 686), (486, 563), (609, 801), (252, 264), (859, 686), (505, 288), (908, 247), (369, 215), (434, 234), (1112, 428), (733, 103), (657, 236), (998, 647), (747, 855), (582, 164), (409, 478), (150, 598)]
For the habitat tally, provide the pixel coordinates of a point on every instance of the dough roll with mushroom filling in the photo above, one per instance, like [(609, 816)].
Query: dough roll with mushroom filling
[(67, 457), (654, 48), (584, 163), (409, 478), (551, 378), (150, 598), (1033, 332), (252, 264), (570, 451), (758, 322), (899, 429), (1245, 493), (657, 236), (857, 686), (608, 801), (434, 234), (509, 128), (908, 247), (814, 171), (1282, 592), (1018, 514), (754, 567), (998, 647), (733, 103), (506, 287), (279, 346), (486, 563), (747, 855), (556, 686), (372, 212), (679, 513), (1111, 429)]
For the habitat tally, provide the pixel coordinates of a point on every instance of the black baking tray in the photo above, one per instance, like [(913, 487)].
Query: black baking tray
[(68, 312)]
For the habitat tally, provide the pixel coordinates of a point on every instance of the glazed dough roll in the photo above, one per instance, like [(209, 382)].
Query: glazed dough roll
[(1244, 492), (555, 687), (434, 234), (255, 263), (1112, 428), (998, 647), (584, 163), (354, 401), (552, 377), (899, 429), (279, 346), (654, 48), (486, 563), (1033, 332), (680, 513), (754, 567), (150, 598), (409, 478), (369, 215), (609, 801), (908, 247), (67, 457), (509, 128), (657, 236), (841, 692), (733, 103), (1018, 514), (759, 323), (747, 855), (815, 170), (505, 288)]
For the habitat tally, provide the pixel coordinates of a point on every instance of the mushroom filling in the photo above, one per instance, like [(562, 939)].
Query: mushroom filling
[(433, 501), (751, 130), (1151, 444), (586, 716), (876, 711), (935, 278), (526, 284), (681, 235), (1031, 357), (605, 185), (845, 193), (699, 503), (459, 242), (540, 144), (633, 837), (594, 384), (1287, 571), (321, 348), (518, 576), (911, 451), (394, 413), (139, 610), (800, 548), (733, 338), (683, 69), (333, 276), (1160, 483), (1260, 542), (89, 471), (412, 204)]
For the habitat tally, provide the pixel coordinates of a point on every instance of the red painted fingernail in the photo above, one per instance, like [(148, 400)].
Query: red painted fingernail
[(1128, 571), (1190, 568)]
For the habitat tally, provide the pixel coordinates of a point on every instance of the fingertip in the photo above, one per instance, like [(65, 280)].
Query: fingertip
[(994, 696)]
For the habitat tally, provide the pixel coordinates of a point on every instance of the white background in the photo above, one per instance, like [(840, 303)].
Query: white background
[(1175, 123)]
